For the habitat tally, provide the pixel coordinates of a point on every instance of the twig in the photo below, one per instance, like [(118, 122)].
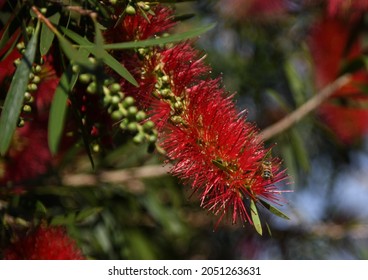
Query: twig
[(305, 109), (115, 176)]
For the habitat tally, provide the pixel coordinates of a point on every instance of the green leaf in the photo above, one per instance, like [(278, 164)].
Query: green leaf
[(40, 208), (74, 217), (14, 98), (106, 57), (59, 108), (5, 53), (72, 53), (274, 210), (289, 158), (10, 29), (299, 148), (64, 220), (164, 40), (47, 36), (98, 50), (295, 82), (269, 229), (255, 217), (278, 99), (85, 213)]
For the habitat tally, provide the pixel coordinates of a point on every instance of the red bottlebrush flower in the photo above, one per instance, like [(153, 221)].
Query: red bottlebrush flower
[(213, 147), (328, 43), (134, 28), (44, 243), (28, 156), (216, 151), (7, 68), (264, 10)]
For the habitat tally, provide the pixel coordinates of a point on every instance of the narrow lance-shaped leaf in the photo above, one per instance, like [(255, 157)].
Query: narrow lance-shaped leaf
[(14, 98), (72, 53), (295, 82), (11, 27), (59, 108), (47, 36), (106, 57), (255, 217), (299, 148), (164, 40), (274, 210), (99, 42)]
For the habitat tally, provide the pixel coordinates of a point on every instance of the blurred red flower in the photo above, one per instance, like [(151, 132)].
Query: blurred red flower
[(44, 243), (242, 10), (346, 7), (28, 156), (345, 112)]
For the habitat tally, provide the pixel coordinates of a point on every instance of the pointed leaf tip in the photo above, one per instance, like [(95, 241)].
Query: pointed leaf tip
[(255, 217)]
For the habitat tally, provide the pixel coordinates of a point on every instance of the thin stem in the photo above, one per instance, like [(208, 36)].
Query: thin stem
[(313, 103), (116, 176)]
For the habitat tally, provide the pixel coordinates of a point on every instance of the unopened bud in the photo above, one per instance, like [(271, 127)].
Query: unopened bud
[(130, 10)]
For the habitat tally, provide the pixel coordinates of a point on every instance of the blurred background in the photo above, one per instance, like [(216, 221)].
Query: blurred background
[(275, 55)]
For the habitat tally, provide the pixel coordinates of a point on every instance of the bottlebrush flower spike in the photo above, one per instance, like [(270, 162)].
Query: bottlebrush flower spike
[(212, 146), (45, 243)]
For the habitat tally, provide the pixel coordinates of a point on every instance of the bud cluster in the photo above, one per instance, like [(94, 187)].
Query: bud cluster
[(120, 107), (132, 6), (164, 92), (34, 80)]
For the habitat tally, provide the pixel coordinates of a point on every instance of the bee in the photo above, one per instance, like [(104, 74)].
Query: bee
[(266, 170)]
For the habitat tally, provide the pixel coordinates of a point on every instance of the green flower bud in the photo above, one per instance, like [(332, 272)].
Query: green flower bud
[(37, 69), (96, 148), (124, 124), (85, 78), (75, 68), (92, 59), (29, 30), (133, 126), (115, 100), (130, 10), (176, 119), (20, 46), (115, 88), (116, 115), (32, 87), (165, 78), (128, 101), (27, 96), (36, 79), (92, 88), (132, 111), (152, 138), (20, 122), (107, 100), (165, 92), (140, 116), (27, 109), (139, 138), (16, 62), (148, 125)]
